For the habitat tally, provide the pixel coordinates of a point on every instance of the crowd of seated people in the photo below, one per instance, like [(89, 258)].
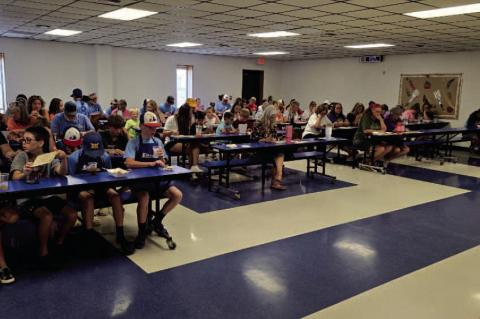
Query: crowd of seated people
[(86, 137)]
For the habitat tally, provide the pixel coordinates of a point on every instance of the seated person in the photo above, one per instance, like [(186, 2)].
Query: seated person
[(372, 121), (147, 151), (317, 121), (394, 123), (294, 113), (115, 140), (311, 109), (72, 140), (336, 116), (8, 215), (131, 125), (265, 131), (244, 116), (36, 108), (19, 118), (473, 122), (70, 118), (223, 104), (181, 124), (226, 126), (211, 118), (6, 153), (42, 208), (413, 114), (356, 114), (81, 162)]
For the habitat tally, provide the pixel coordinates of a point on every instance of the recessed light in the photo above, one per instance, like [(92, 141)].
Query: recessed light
[(271, 53), (184, 45), (369, 46), (62, 32), (275, 34), (445, 12), (127, 14)]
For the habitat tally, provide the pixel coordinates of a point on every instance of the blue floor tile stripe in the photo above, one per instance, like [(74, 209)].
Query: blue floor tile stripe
[(288, 278)]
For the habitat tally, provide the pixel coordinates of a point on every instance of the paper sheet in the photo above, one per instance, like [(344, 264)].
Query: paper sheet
[(44, 159)]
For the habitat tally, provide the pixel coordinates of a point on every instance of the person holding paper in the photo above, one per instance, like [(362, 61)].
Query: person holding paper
[(36, 143)]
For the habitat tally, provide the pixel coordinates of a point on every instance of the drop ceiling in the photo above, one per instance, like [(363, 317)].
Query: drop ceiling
[(222, 25)]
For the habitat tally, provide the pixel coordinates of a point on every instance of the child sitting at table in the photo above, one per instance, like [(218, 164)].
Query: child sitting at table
[(147, 151), (132, 124), (226, 127), (211, 119), (42, 208), (115, 140), (243, 118), (8, 215), (90, 158)]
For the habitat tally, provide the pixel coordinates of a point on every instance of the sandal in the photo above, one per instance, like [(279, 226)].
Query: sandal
[(277, 185)]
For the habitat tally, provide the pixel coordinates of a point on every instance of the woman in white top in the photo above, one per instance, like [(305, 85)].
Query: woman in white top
[(316, 122)]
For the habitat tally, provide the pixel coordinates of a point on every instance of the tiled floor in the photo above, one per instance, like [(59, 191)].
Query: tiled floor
[(401, 245)]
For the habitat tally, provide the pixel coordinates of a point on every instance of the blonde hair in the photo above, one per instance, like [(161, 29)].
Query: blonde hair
[(134, 109)]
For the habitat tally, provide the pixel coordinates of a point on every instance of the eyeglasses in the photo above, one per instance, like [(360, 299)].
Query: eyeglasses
[(27, 140)]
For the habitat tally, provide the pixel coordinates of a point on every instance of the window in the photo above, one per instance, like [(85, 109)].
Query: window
[(184, 83), (3, 101)]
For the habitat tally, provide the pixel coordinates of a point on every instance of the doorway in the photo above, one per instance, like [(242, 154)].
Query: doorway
[(252, 85)]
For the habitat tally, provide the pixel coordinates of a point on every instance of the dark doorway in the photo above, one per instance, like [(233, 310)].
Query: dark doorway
[(252, 85)]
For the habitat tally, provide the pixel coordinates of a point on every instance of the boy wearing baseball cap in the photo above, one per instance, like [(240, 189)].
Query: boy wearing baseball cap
[(144, 151), (89, 159), (70, 117)]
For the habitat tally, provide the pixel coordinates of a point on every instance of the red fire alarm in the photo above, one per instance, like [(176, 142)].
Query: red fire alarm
[(261, 61)]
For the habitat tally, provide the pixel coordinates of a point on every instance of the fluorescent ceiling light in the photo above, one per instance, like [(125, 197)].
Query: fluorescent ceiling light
[(62, 32), (127, 14), (445, 12), (271, 53), (275, 34), (184, 45), (369, 46)]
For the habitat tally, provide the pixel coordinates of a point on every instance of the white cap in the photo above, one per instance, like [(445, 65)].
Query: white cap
[(226, 97)]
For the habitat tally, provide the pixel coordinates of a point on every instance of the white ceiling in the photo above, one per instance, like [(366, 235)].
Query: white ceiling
[(221, 25)]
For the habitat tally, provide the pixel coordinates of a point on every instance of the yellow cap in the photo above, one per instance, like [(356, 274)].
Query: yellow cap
[(192, 102)]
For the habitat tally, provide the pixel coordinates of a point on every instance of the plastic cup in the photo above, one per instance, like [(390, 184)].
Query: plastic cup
[(156, 151), (3, 182), (328, 131), (34, 176), (242, 128), (198, 130)]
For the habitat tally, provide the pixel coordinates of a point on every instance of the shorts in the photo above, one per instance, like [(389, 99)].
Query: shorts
[(163, 186), (54, 204)]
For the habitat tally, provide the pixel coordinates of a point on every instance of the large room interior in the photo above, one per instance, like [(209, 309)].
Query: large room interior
[(306, 216)]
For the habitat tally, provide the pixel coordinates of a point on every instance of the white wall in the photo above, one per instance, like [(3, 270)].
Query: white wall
[(53, 69), (349, 81)]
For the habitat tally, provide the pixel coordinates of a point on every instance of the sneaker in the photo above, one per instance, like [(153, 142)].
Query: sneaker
[(139, 242), (6, 276), (127, 247), (196, 169)]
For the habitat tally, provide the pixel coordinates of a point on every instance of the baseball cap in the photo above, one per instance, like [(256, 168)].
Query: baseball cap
[(149, 119), (93, 145), (191, 102), (170, 99), (77, 93), (72, 137), (226, 97), (70, 107)]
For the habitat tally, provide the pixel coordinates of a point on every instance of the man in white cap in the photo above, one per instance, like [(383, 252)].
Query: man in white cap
[(144, 151), (223, 105)]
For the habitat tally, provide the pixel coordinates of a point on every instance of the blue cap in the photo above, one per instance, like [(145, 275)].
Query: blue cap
[(93, 145), (77, 93)]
